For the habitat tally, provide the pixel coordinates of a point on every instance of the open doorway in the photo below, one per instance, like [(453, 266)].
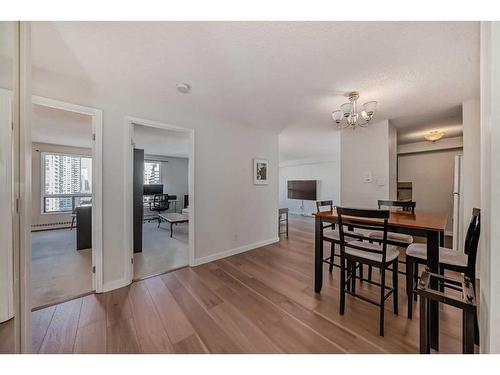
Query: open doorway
[(161, 198), (66, 204)]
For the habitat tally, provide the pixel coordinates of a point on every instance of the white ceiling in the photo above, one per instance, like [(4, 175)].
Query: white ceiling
[(272, 75), (60, 127), (161, 142)]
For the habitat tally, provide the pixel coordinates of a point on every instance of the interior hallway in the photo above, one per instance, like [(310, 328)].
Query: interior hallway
[(261, 301)]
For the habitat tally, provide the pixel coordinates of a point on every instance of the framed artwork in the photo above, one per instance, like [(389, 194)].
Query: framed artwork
[(260, 172)]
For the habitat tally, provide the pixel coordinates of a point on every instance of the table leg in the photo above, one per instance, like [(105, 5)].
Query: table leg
[(433, 264), (171, 229), (424, 326), (441, 239), (468, 332), (287, 224), (318, 255)]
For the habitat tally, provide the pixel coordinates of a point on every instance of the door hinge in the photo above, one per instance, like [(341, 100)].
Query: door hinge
[(132, 260), (93, 269), (18, 206), (93, 137)]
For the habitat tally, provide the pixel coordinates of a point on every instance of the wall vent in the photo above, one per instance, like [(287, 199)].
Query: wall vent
[(35, 227)]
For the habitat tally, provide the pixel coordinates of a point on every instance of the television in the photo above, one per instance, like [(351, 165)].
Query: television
[(302, 189), (152, 189)]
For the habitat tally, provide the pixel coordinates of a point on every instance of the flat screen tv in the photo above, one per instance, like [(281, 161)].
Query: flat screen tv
[(302, 189), (152, 189)]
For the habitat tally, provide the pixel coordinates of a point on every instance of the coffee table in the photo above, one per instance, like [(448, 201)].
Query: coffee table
[(173, 218)]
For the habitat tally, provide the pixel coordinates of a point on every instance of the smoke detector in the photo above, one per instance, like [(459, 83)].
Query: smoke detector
[(183, 88)]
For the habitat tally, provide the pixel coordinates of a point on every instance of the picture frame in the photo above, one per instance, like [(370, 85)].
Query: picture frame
[(260, 171)]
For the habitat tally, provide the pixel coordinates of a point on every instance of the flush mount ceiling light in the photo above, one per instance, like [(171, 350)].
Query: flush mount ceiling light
[(183, 88), (434, 136), (348, 116)]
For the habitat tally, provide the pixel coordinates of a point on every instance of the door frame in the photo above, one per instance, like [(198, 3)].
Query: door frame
[(97, 124), (130, 121)]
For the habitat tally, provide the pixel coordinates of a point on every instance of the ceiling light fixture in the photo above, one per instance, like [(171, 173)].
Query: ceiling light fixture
[(348, 116), (434, 135), (183, 88)]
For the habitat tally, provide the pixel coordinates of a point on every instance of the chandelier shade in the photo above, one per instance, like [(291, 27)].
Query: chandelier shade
[(348, 117)]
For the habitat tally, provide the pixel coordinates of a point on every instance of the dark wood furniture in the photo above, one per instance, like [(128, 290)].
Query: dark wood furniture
[(331, 234), (83, 227), (450, 260), (379, 255), (396, 239), (173, 218), (138, 194), (466, 302), (283, 218), (425, 224)]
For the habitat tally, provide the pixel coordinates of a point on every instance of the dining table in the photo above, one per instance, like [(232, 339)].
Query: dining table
[(430, 225)]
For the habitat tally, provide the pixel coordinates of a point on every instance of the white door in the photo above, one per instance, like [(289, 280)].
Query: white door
[(6, 239)]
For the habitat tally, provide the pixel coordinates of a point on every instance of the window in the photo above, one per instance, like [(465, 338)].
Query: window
[(66, 182), (152, 172)]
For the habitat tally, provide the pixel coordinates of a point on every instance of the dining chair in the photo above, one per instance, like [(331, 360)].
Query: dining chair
[(379, 255), (395, 239), (332, 236), (448, 260)]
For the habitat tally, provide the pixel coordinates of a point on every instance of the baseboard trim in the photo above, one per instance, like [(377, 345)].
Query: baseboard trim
[(237, 250), (115, 284)]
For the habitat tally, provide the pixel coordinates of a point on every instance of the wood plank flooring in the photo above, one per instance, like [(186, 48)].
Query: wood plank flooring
[(261, 301)]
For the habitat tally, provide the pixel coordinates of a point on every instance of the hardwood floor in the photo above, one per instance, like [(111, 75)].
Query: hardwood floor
[(261, 301)]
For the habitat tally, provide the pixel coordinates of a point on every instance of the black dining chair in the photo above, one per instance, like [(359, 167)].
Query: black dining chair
[(379, 255), (331, 234), (395, 239), (448, 260)]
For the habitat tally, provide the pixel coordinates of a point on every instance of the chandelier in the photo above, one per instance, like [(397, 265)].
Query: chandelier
[(348, 116)]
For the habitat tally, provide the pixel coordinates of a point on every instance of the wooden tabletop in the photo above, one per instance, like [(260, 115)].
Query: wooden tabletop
[(419, 220)]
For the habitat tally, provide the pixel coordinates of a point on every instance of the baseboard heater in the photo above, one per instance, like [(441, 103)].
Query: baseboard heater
[(61, 224)]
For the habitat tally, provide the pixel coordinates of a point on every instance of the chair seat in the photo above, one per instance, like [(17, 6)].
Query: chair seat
[(391, 236), (446, 256), (391, 251), (334, 235)]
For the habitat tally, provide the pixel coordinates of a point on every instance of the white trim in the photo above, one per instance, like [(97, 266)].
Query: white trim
[(6, 206), (130, 121), (236, 250), (115, 284), (96, 115)]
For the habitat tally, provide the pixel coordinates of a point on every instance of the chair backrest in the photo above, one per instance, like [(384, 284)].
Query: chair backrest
[(160, 202), (373, 220), (472, 241), (320, 204), (408, 206)]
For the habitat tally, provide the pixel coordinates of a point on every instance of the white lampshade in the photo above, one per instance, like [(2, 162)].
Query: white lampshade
[(370, 108), (346, 108), (337, 116)]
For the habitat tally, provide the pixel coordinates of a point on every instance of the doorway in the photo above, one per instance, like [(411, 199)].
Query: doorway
[(161, 198), (66, 209)]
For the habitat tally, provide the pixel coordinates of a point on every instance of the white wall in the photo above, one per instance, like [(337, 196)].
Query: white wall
[(443, 144), (471, 192), (490, 181), (365, 150), (326, 171), (393, 163), (174, 176), (431, 174), (231, 214)]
